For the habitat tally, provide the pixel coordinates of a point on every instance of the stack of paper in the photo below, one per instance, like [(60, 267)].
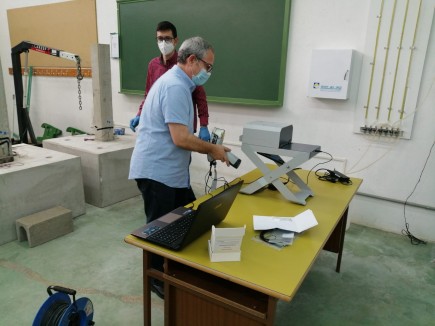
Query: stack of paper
[(225, 243)]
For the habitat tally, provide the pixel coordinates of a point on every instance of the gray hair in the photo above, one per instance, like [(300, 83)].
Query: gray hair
[(196, 46)]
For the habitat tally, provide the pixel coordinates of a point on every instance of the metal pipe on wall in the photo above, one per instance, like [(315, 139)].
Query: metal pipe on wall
[(412, 48), (373, 63), (399, 51), (397, 201), (387, 51)]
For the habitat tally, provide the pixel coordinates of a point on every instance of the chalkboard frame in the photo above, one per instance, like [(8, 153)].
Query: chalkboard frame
[(251, 53)]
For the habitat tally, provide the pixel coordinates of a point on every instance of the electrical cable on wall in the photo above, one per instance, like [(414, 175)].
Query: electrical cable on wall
[(414, 240)]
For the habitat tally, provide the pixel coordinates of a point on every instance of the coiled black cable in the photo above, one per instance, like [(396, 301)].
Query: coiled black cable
[(54, 313)]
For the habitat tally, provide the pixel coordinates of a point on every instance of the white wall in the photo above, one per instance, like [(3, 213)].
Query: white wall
[(390, 169)]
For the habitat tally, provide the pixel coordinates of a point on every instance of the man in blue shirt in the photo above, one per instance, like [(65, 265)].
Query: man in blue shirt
[(161, 157)]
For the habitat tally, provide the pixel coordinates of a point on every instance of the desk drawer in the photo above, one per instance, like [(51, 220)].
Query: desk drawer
[(225, 302)]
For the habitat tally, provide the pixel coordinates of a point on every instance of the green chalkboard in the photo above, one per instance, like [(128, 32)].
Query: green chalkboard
[(249, 37)]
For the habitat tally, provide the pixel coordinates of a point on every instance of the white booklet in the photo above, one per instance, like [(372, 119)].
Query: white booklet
[(225, 243), (298, 223)]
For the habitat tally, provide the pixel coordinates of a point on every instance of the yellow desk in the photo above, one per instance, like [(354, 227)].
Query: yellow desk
[(199, 292)]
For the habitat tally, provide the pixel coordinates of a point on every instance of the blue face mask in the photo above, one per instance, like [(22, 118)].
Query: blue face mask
[(201, 78)]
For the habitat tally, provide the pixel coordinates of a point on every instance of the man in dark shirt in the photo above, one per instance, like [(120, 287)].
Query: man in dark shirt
[(167, 40)]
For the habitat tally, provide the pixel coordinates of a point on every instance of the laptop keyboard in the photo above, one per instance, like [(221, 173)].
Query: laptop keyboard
[(172, 234)]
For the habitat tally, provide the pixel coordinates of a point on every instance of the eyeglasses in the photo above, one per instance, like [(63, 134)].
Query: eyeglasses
[(208, 65), (166, 39)]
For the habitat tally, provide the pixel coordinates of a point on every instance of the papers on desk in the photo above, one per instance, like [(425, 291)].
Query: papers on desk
[(225, 243), (279, 231), (299, 223)]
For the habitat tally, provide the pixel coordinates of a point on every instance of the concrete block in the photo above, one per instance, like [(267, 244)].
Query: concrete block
[(105, 166), (44, 226), (38, 179)]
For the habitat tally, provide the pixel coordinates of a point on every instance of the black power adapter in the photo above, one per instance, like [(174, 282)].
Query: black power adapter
[(339, 176), (335, 176)]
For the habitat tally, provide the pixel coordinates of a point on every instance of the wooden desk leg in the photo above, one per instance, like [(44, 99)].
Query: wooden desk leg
[(271, 310), (341, 245), (146, 289), (335, 242)]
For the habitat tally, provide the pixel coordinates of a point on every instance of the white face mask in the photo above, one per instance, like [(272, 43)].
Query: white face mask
[(165, 47)]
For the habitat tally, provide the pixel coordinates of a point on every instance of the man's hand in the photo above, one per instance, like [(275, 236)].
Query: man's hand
[(134, 123), (183, 138), (219, 153), (204, 134)]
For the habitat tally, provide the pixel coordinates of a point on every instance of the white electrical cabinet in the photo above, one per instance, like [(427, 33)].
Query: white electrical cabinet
[(331, 73)]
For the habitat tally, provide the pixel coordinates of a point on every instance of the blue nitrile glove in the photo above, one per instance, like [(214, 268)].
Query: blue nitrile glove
[(134, 123), (204, 134)]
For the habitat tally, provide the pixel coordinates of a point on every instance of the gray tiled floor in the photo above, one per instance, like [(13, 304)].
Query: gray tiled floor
[(384, 280)]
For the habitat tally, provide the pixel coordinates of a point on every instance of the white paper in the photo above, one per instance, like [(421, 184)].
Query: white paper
[(299, 223), (223, 256), (226, 239)]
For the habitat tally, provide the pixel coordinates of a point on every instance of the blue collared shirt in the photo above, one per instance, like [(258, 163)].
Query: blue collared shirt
[(155, 156)]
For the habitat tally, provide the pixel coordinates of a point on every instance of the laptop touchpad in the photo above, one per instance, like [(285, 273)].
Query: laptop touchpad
[(170, 217)]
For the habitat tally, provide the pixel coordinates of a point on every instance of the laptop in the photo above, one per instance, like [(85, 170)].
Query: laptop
[(183, 225)]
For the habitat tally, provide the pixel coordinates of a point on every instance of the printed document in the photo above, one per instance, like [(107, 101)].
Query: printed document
[(298, 223)]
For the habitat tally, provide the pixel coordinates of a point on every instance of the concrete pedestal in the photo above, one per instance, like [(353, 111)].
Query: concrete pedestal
[(105, 166), (38, 179)]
